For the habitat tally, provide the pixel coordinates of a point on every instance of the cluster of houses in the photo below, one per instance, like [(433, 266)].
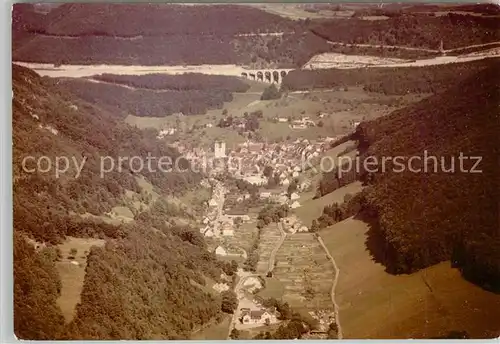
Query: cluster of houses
[(287, 159), (302, 123), (292, 224), (283, 198), (248, 160), (216, 223)]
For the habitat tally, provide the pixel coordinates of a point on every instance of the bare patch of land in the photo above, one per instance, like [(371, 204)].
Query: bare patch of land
[(71, 270)]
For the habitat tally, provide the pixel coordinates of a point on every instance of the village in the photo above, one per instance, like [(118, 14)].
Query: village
[(288, 253)]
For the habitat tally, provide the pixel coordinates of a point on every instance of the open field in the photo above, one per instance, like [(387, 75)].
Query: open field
[(71, 270), (303, 11), (250, 333), (430, 303), (273, 289), (305, 271), (336, 109), (311, 209)]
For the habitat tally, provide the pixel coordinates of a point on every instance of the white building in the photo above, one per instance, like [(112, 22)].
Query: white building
[(220, 149), (220, 251)]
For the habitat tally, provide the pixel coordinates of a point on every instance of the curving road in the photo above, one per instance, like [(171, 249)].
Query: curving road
[(334, 286)]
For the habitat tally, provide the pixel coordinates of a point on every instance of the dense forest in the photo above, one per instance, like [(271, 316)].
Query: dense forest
[(145, 282), (187, 94), (447, 211), (456, 31), (160, 19), (390, 81), (182, 82), (94, 34)]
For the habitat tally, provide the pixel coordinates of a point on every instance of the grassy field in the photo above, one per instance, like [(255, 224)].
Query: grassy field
[(214, 331), (338, 107), (426, 304), (274, 288), (311, 209), (72, 274)]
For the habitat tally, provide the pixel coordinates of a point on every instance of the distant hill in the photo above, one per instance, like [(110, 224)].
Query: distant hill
[(413, 30), (387, 80), (422, 218), (153, 34), (144, 283)]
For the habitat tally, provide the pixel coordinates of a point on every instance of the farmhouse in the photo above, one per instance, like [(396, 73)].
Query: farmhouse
[(258, 317)]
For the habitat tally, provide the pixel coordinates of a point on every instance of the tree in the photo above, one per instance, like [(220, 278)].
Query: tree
[(252, 123), (332, 332), (72, 253), (292, 188), (268, 171), (314, 226), (229, 301), (234, 265), (321, 124), (270, 93), (235, 334), (238, 221)]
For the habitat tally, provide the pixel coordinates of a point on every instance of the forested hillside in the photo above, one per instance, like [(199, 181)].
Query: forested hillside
[(422, 218), (155, 95), (94, 33), (144, 283), (394, 81), (414, 30)]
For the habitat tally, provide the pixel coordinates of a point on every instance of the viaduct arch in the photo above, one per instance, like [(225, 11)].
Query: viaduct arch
[(269, 76)]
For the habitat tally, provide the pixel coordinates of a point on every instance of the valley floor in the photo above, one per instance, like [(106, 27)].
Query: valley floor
[(427, 304)]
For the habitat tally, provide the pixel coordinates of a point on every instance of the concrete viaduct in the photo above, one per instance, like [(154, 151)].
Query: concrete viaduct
[(270, 75)]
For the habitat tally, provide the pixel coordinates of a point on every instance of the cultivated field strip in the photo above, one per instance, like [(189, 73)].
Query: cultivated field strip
[(306, 272), (269, 238)]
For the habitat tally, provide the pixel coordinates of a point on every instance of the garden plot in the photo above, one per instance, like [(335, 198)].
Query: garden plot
[(244, 236), (269, 238), (305, 271)]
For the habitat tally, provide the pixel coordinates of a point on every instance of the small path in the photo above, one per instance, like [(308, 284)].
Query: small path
[(402, 47), (276, 248), (334, 286)]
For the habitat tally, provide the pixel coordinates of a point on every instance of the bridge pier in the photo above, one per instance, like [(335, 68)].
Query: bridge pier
[(267, 76)]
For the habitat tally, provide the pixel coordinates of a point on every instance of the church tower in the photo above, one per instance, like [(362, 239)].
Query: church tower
[(220, 149)]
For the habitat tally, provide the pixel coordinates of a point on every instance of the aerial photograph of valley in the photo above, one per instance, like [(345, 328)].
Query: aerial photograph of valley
[(256, 171)]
